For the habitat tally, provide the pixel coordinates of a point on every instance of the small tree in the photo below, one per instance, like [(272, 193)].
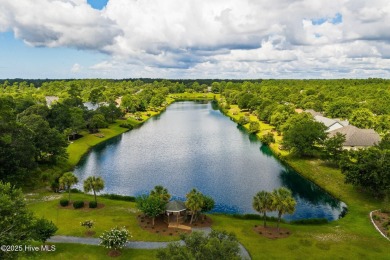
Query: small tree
[(208, 204), (194, 203), (243, 120), (151, 206), (267, 138), (262, 203), (283, 202), (94, 184), (67, 180), (254, 127), (333, 148), (115, 238), (161, 192), (43, 229)]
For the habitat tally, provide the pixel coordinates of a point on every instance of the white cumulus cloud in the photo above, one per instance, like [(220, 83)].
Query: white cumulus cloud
[(219, 38)]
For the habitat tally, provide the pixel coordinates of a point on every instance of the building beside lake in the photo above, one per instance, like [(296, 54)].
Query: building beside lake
[(357, 138)]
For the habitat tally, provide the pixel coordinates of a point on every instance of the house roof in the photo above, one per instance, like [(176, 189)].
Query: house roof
[(326, 121), (175, 206), (357, 137), (313, 113), (51, 99)]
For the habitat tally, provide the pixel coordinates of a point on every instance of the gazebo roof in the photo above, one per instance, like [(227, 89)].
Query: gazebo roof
[(175, 206)]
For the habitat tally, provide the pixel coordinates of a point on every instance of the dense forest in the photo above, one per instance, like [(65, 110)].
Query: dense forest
[(35, 135)]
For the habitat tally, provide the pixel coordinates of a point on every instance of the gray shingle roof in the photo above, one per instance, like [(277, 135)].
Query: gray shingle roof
[(326, 121), (357, 137), (175, 206)]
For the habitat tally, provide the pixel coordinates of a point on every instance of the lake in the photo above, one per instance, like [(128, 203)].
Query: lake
[(193, 145)]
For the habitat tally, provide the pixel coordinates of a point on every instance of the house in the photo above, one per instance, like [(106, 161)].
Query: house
[(91, 106), (330, 123), (313, 113), (50, 100), (356, 138)]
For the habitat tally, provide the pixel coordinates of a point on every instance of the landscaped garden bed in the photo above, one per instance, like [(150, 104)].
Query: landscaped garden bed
[(272, 232), (382, 221)]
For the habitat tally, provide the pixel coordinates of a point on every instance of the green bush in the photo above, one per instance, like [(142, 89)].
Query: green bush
[(255, 217), (267, 138), (74, 190), (78, 204), (64, 202), (310, 221), (118, 197), (126, 125), (92, 204), (243, 120)]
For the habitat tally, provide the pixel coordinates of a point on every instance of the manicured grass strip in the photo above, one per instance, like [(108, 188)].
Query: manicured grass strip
[(80, 146), (87, 252)]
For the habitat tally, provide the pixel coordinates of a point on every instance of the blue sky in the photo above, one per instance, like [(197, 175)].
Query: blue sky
[(194, 39)]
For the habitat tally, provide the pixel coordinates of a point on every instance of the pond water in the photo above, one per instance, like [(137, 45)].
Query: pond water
[(193, 145)]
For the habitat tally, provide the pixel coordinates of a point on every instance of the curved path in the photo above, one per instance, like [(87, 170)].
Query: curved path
[(133, 244)]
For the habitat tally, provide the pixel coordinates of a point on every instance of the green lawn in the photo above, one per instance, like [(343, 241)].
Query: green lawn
[(87, 252), (80, 146), (115, 213), (338, 240)]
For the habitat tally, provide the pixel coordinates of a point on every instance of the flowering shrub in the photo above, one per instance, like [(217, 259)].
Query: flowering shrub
[(87, 224), (115, 238)]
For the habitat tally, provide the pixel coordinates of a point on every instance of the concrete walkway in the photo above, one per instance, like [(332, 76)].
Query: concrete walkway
[(133, 244)]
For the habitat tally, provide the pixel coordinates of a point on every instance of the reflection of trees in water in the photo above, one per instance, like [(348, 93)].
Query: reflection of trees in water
[(265, 150), (100, 148), (306, 189), (214, 105)]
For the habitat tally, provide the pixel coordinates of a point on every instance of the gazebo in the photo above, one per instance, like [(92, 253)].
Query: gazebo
[(177, 209)]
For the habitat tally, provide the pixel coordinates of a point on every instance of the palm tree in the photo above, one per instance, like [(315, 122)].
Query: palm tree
[(262, 203), (67, 180), (161, 192), (194, 203), (283, 202), (94, 184)]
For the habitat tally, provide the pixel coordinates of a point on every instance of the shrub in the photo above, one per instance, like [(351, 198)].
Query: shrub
[(118, 197), (254, 127), (115, 238), (74, 190), (310, 221), (93, 204), (126, 125), (78, 204), (64, 202), (243, 120), (267, 138), (88, 224)]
